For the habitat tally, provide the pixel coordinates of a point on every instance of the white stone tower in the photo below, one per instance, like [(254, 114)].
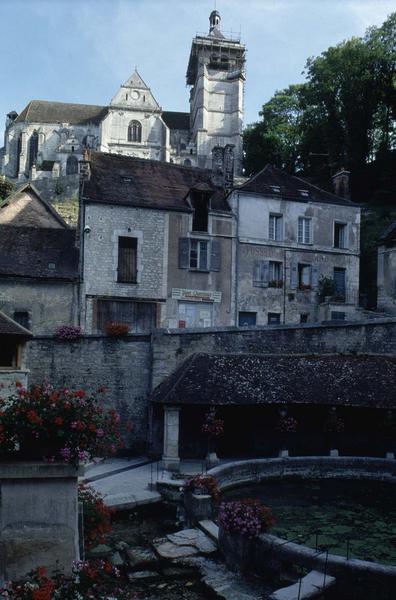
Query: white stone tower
[(216, 73)]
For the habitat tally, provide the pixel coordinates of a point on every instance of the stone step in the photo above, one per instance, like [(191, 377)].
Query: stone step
[(210, 528), (311, 586), (184, 543)]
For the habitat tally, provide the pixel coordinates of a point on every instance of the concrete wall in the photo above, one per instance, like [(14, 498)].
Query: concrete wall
[(122, 365)]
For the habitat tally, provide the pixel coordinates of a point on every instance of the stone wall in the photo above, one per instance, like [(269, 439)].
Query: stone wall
[(122, 365), (62, 193), (170, 348)]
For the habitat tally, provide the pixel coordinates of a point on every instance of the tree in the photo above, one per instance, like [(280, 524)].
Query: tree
[(6, 187)]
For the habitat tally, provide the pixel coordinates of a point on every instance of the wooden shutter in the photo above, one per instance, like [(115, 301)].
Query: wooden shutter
[(293, 276), (215, 256), (184, 253), (315, 276), (264, 272)]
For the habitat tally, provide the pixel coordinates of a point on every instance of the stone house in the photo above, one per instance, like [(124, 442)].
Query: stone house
[(47, 139), (156, 246), (386, 271), (38, 264), (297, 257), (12, 355)]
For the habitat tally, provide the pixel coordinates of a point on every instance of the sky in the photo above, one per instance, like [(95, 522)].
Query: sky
[(83, 50)]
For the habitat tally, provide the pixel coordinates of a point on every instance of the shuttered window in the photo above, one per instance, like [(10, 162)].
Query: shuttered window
[(127, 260), (139, 316), (340, 235), (201, 255), (260, 273)]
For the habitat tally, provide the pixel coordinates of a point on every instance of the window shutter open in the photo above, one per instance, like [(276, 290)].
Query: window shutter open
[(184, 253), (315, 276), (264, 272), (293, 276), (256, 273), (215, 256)]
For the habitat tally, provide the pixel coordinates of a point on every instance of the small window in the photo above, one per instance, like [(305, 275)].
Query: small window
[(337, 315), (72, 165), (200, 217), (274, 318), (51, 266), (199, 255), (187, 162), (339, 283), (304, 277), (275, 189), (22, 317), (304, 230), (275, 278), (304, 318), (247, 319), (127, 260), (134, 132), (340, 235), (304, 193), (275, 228)]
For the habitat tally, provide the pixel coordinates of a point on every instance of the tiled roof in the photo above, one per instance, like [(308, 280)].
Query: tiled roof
[(43, 111), (389, 235), (145, 183), (176, 120), (29, 188), (262, 379), (10, 327), (38, 253), (274, 182)]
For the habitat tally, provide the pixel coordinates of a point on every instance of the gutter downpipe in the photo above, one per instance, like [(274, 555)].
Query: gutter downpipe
[(237, 262)]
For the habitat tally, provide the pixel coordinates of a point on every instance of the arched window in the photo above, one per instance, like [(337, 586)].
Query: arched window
[(72, 165), (187, 162), (33, 149), (18, 154), (134, 132)]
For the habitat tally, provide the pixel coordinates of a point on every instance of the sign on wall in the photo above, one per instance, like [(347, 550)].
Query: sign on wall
[(196, 295)]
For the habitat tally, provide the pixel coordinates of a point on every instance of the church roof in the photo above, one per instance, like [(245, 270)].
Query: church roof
[(44, 111), (38, 253), (9, 327), (176, 120), (145, 183), (252, 379), (275, 182)]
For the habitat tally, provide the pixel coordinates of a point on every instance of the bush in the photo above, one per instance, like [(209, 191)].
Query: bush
[(97, 516), (68, 332), (117, 329), (50, 424), (246, 517)]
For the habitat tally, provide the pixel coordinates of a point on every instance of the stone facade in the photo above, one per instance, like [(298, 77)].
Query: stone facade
[(285, 247), (386, 272), (49, 138)]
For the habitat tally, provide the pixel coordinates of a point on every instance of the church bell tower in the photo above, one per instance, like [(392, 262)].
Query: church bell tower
[(216, 75)]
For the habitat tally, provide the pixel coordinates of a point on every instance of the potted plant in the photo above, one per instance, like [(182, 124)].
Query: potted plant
[(213, 427), (116, 329), (326, 288), (240, 523)]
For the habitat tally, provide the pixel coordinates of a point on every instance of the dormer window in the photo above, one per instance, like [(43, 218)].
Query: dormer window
[(304, 193), (200, 203), (135, 132), (275, 189)]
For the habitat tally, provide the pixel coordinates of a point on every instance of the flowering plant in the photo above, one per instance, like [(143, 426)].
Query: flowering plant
[(287, 424), (212, 425), (97, 516), (95, 579), (65, 425), (248, 517), (116, 329), (68, 332), (205, 484)]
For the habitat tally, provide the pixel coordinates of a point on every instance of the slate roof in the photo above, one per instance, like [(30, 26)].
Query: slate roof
[(290, 187), (9, 327), (389, 235), (44, 111), (31, 252), (176, 120), (247, 379), (145, 183)]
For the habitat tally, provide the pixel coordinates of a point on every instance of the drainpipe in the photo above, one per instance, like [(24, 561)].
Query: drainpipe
[(237, 261), (284, 285)]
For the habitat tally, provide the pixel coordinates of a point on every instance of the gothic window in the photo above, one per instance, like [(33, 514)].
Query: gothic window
[(134, 132), (18, 155), (72, 165), (33, 149)]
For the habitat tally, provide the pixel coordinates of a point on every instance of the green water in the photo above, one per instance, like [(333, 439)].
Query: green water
[(359, 511)]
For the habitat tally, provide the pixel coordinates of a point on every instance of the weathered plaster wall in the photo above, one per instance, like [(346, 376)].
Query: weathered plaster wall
[(122, 365), (386, 279)]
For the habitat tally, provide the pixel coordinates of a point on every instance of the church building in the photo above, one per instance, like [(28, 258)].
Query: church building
[(48, 139)]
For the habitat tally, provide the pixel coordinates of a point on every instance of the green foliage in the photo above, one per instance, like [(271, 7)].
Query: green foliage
[(6, 187), (343, 116)]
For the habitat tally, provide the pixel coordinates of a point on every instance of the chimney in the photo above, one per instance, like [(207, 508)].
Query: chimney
[(223, 166), (85, 167), (341, 184)]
